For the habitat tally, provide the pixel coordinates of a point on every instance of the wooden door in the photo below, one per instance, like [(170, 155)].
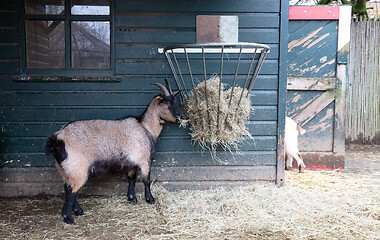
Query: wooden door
[(315, 92)]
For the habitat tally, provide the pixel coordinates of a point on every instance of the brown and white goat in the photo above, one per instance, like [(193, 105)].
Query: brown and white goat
[(292, 130), (83, 148)]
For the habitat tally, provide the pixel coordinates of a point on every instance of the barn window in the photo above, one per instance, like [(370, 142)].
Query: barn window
[(72, 36)]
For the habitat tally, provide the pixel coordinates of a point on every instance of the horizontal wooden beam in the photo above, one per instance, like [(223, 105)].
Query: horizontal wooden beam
[(311, 83), (33, 181), (314, 13)]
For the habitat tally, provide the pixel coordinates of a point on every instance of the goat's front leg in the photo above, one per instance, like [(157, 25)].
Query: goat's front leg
[(131, 188), (145, 175), (288, 162)]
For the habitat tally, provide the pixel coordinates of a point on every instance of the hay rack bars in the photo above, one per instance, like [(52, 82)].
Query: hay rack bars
[(236, 63)]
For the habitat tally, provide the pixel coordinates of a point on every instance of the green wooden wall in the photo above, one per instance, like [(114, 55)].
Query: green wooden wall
[(32, 108)]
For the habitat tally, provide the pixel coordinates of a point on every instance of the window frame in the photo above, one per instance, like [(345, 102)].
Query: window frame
[(67, 18)]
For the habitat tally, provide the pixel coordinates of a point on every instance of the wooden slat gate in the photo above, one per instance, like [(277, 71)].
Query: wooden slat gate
[(317, 58)]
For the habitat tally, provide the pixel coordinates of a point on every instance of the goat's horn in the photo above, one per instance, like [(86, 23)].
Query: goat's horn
[(168, 87), (163, 89)]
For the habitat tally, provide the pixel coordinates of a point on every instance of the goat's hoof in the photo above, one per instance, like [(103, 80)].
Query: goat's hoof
[(78, 211), (288, 168), (132, 200), (68, 219), (301, 169), (150, 200)]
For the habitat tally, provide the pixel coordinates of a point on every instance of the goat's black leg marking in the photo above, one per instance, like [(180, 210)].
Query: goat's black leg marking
[(76, 208), (68, 205), (131, 188), (148, 195)]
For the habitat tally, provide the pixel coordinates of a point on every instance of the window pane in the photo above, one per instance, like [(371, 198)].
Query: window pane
[(90, 7), (90, 44), (45, 44), (52, 7)]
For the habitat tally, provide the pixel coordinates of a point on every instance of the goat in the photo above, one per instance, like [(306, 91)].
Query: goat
[(83, 148), (292, 130)]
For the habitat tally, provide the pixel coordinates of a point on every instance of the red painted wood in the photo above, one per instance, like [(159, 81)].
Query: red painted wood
[(314, 13)]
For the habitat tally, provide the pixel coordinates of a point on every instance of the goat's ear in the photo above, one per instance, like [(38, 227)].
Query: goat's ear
[(160, 98)]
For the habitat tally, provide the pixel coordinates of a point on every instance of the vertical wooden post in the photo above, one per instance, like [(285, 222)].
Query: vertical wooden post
[(344, 25)]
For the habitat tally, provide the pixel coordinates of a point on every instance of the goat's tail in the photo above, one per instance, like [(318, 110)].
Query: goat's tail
[(56, 147)]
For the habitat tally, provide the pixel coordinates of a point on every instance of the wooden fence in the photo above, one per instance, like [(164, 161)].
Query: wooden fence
[(363, 91)]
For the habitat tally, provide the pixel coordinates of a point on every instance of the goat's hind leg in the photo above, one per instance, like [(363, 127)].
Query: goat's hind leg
[(68, 205), (131, 187), (300, 163), (76, 208)]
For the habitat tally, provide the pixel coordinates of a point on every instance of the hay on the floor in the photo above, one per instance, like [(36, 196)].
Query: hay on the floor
[(313, 205), (217, 114)]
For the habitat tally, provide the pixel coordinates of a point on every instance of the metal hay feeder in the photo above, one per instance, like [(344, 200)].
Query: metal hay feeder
[(237, 64)]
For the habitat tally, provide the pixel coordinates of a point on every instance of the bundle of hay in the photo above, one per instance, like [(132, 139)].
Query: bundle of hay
[(217, 118)]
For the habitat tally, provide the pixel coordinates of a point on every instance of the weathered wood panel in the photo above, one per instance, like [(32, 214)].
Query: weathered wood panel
[(315, 47), (363, 93)]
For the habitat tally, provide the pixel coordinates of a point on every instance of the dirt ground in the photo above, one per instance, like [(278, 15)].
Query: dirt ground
[(342, 204)]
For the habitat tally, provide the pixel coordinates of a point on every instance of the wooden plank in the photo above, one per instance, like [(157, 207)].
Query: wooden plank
[(129, 83), (284, 22), (170, 37), (297, 101), (319, 136), (340, 113), (8, 35), (8, 5), (258, 128), (135, 67), (174, 158), (95, 98), (160, 174), (219, 173), (67, 114), (26, 160), (259, 143), (187, 20), (9, 66), (311, 83), (36, 144), (314, 12), (111, 188), (315, 107), (8, 19), (33, 181), (216, 6), (242, 158), (9, 51), (150, 51)]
